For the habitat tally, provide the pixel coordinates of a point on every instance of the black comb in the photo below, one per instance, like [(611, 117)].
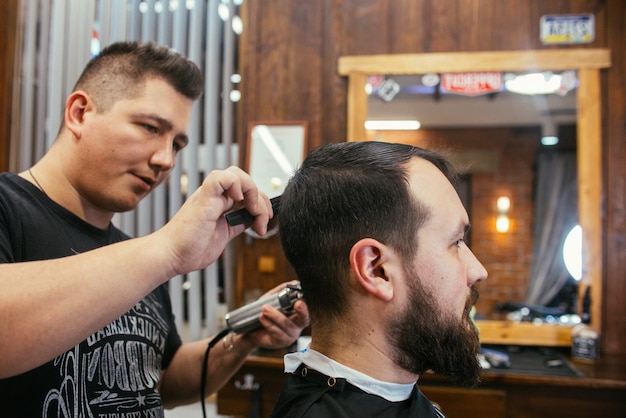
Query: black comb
[(242, 216)]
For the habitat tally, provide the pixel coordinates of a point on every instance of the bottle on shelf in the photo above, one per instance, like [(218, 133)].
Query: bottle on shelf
[(585, 339)]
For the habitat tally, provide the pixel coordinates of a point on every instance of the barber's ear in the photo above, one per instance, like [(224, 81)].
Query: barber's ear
[(76, 106), (373, 265)]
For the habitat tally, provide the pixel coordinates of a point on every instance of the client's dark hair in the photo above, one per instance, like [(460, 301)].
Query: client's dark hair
[(343, 193)]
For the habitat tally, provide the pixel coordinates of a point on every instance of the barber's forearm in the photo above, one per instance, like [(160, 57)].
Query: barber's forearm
[(83, 293)]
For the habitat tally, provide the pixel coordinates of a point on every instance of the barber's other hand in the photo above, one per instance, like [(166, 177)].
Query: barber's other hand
[(278, 329)]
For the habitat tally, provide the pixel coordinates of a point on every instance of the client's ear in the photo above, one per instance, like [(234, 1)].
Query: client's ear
[(374, 265)]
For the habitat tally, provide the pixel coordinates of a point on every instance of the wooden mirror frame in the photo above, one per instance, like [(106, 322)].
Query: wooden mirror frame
[(587, 62)]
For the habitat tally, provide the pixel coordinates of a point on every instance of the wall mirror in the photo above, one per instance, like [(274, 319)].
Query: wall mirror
[(409, 70), (275, 150), (492, 130)]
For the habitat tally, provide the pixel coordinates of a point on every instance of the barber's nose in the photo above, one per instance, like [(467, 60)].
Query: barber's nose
[(164, 156)]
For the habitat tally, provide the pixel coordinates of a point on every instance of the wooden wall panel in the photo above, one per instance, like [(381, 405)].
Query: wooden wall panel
[(354, 27), (614, 117), (287, 43), (8, 39)]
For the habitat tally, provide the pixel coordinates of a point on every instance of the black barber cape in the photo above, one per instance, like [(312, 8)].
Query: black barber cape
[(311, 394)]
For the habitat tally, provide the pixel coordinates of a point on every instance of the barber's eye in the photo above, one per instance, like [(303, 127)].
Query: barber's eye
[(151, 129), (177, 146)]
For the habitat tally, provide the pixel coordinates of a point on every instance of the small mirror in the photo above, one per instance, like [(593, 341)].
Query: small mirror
[(275, 150)]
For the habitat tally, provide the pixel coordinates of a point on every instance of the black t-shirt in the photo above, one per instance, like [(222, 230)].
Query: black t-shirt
[(114, 372), (311, 394)]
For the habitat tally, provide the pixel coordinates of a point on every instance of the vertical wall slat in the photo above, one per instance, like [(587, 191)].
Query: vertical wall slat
[(143, 213), (133, 24), (163, 35), (148, 26), (176, 197), (212, 66), (16, 90), (122, 13), (143, 216), (28, 82), (103, 18), (119, 23), (190, 164), (70, 50), (178, 28), (128, 29), (210, 142), (55, 71), (164, 26), (227, 70), (228, 61), (42, 65), (176, 283), (87, 20), (175, 190)]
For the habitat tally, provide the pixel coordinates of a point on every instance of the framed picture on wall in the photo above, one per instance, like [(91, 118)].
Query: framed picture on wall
[(275, 151)]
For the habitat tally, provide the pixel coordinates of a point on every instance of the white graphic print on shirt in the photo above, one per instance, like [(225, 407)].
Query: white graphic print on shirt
[(114, 373)]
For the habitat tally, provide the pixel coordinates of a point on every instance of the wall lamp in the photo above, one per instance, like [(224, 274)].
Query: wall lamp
[(502, 221), (549, 134)]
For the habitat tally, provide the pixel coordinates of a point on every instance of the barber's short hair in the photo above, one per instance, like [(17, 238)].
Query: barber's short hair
[(341, 194), (121, 69)]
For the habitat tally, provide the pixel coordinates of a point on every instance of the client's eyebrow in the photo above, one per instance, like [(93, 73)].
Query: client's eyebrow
[(462, 228)]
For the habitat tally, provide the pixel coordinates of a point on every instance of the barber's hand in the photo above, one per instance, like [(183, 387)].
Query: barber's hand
[(197, 235), (279, 330)]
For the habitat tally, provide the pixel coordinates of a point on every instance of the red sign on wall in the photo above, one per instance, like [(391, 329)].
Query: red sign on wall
[(471, 84)]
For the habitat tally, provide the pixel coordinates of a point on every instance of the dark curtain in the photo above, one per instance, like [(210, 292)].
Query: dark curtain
[(556, 212)]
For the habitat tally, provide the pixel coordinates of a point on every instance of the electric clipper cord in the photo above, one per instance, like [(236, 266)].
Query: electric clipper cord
[(246, 319)]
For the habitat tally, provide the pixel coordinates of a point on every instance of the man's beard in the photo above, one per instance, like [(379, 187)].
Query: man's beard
[(426, 338)]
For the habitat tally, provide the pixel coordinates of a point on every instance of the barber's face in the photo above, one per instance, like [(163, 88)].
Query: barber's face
[(129, 149), (434, 330)]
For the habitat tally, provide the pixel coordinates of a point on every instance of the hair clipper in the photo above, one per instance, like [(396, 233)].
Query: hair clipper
[(246, 318)]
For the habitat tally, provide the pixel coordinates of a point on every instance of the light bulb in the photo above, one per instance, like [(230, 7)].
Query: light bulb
[(502, 223), (503, 204)]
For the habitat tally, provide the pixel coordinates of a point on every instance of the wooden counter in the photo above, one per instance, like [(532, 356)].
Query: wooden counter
[(600, 391)]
